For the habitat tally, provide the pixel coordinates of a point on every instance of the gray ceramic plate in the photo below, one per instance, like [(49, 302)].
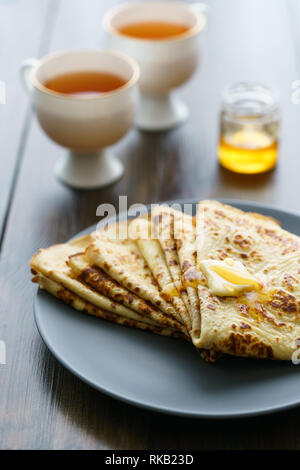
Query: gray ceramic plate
[(163, 374)]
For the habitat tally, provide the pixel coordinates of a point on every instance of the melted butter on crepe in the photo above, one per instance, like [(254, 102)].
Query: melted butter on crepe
[(170, 290), (228, 277)]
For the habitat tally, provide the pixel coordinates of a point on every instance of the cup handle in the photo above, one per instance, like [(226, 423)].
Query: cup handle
[(25, 70)]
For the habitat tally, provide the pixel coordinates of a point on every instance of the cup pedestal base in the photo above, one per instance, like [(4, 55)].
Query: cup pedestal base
[(88, 171), (160, 113)]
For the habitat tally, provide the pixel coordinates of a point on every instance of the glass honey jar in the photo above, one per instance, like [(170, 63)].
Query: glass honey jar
[(249, 126)]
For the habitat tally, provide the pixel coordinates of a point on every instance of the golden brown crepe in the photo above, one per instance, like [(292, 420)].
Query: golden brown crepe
[(163, 224), (140, 230), (53, 264), (101, 282), (177, 234), (123, 261), (184, 235), (80, 304), (263, 323)]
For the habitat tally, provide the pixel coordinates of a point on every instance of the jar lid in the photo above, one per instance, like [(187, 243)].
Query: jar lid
[(249, 101)]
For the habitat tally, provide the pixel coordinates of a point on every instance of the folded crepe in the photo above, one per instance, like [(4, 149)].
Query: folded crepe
[(53, 273), (101, 282), (261, 323), (80, 304), (122, 260), (177, 237), (163, 223), (140, 230)]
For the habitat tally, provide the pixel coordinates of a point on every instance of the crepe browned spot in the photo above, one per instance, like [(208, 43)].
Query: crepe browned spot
[(264, 323)]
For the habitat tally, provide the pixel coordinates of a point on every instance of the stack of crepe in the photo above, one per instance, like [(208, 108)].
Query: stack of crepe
[(225, 280)]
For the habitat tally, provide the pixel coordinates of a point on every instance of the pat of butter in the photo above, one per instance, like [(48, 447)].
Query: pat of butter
[(170, 291), (228, 277)]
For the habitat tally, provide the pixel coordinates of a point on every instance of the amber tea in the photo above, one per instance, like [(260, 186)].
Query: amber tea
[(155, 30), (84, 83)]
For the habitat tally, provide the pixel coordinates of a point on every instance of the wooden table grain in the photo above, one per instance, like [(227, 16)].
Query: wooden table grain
[(43, 406)]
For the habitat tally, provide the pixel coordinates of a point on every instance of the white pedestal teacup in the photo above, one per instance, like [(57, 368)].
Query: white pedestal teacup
[(166, 63), (86, 124)]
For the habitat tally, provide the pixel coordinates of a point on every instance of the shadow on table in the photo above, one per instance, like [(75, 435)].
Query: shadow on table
[(240, 181), (106, 423)]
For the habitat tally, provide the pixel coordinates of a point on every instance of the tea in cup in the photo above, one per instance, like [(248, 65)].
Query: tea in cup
[(163, 37), (85, 101)]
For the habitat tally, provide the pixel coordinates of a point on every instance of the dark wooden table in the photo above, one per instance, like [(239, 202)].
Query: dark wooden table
[(43, 406)]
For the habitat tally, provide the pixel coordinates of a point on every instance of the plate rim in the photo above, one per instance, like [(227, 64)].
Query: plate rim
[(144, 405)]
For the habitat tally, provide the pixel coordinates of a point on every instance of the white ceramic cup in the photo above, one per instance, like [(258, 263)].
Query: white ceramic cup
[(165, 64), (84, 124)]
